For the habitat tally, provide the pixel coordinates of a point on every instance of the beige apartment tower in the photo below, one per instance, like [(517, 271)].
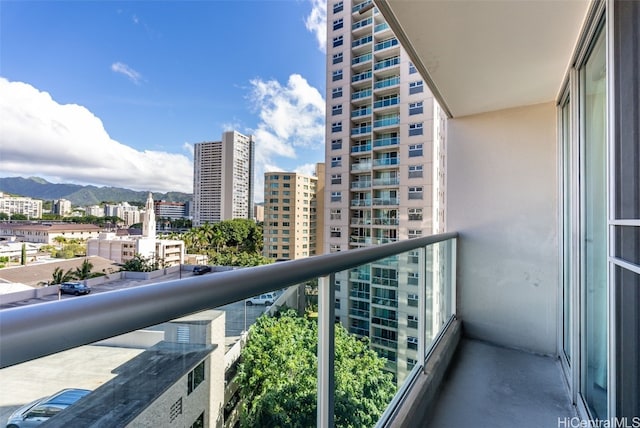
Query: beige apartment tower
[(291, 220), (384, 174), (223, 179)]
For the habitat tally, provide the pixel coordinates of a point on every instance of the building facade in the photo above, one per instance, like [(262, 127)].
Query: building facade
[(223, 179), (120, 249), (61, 207), (291, 217), (10, 205), (384, 172), (46, 233), (172, 210)]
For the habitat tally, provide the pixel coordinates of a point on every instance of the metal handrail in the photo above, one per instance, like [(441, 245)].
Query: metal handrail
[(34, 331)]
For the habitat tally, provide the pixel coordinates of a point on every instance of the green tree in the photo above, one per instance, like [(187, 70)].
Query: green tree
[(59, 276), (84, 270), (277, 376), (139, 263), (23, 255)]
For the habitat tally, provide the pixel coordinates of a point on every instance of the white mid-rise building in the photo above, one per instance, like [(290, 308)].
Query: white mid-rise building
[(384, 174), (223, 179), (10, 205)]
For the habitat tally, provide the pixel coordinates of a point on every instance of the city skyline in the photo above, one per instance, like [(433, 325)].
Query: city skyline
[(117, 93)]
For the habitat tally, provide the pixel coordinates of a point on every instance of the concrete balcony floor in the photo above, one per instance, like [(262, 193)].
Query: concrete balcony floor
[(490, 386)]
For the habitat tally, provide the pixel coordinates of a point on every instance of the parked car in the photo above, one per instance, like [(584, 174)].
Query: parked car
[(37, 412), (201, 269), (266, 299), (75, 288)]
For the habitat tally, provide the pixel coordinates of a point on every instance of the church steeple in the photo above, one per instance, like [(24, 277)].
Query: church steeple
[(149, 219)]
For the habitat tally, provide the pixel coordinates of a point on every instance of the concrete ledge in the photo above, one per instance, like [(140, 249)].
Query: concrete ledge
[(421, 398)]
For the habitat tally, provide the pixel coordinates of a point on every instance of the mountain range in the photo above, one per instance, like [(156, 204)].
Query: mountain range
[(79, 195)]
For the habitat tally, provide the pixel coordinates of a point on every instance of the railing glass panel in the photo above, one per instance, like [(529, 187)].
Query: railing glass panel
[(167, 350)]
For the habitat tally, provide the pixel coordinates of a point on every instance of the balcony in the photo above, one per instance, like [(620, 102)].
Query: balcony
[(361, 166), (386, 161), (384, 201), (163, 319), (359, 184), (361, 130), (387, 121)]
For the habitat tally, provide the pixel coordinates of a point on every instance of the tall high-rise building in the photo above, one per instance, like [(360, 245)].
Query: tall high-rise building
[(384, 174), (223, 179), (291, 220)]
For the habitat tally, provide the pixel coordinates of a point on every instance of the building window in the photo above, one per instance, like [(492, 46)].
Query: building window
[(335, 214), (415, 214), (411, 363), (336, 161), (336, 75), (334, 248), (414, 233), (336, 109), (338, 24), (338, 7), (336, 179), (412, 300), (412, 321), (336, 232), (415, 129), (286, 177), (412, 68), (336, 144), (336, 92), (336, 196), (198, 423), (415, 171), (415, 150), (337, 305), (412, 343), (195, 378), (415, 87), (415, 108), (336, 127), (338, 57), (338, 41), (413, 278), (415, 192)]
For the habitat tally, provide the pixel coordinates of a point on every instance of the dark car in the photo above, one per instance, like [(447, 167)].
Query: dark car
[(201, 269), (75, 288), (39, 411)]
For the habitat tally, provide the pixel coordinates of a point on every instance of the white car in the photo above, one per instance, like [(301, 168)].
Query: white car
[(266, 299)]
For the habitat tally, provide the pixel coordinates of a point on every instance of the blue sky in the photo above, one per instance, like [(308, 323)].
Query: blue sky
[(116, 93)]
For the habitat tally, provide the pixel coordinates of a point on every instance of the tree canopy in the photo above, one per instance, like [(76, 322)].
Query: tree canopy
[(236, 242), (278, 373)]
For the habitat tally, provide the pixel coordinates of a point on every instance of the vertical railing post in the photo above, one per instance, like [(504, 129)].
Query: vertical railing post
[(326, 349), (454, 275), (422, 305)]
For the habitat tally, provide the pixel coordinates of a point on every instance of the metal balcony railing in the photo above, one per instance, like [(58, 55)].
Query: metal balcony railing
[(33, 331)]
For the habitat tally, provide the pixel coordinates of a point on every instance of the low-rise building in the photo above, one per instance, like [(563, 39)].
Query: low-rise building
[(46, 233), (122, 248)]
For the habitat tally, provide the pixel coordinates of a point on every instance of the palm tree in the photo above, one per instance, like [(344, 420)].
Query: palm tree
[(84, 270), (59, 276)]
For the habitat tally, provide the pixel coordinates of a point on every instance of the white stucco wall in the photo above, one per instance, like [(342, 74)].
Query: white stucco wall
[(502, 199)]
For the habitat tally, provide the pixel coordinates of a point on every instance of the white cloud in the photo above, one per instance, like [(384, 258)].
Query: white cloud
[(316, 22), (291, 116), (134, 76), (307, 169), (68, 143)]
